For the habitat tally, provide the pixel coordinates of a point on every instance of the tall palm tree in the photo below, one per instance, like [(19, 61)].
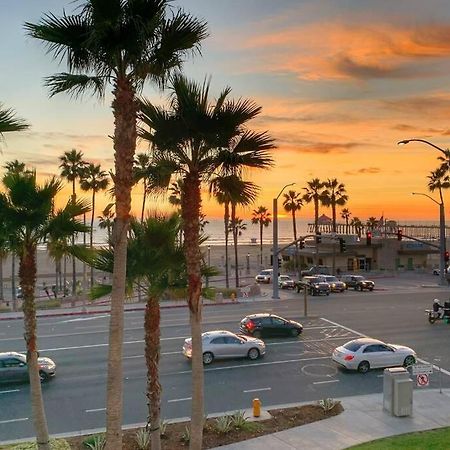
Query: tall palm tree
[(151, 39), (10, 122), (72, 166), (141, 167), (314, 194), (96, 180), (26, 209), (357, 224), (345, 214), (438, 180), (335, 194), (194, 135), (292, 203), (372, 223), (261, 217), (106, 221), (237, 226)]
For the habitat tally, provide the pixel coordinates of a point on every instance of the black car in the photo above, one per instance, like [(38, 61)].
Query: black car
[(357, 282), (264, 325), (314, 286)]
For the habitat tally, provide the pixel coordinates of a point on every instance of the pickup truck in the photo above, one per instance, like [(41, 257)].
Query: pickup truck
[(316, 270)]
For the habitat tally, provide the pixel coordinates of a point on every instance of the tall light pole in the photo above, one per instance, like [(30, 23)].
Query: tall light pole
[(275, 244), (442, 279)]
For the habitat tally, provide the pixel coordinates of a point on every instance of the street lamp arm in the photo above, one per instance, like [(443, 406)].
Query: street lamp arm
[(290, 184), (426, 195), (407, 141)]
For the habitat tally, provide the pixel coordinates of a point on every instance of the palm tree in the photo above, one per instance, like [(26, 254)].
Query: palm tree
[(106, 221), (141, 167), (237, 226), (334, 194), (357, 224), (72, 166), (292, 203), (26, 209), (93, 179), (438, 180), (151, 39), (9, 122), (261, 216), (314, 194), (345, 214), (195, 136), (372, 222)]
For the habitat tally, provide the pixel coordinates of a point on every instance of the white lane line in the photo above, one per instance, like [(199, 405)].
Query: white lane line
[(307, 341), (328, 381), (179, 400), (143, 356), (82, 319), (258, 390), (23, 419), (423, 361), (95, 410), (11, 390)]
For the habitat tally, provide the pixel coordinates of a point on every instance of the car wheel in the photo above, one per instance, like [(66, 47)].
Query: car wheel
[(371, 289), (363, 367), (328, 293), (253, 354), (409, 361), (208, 358), (257, 334), (294, 332), (43, 376)]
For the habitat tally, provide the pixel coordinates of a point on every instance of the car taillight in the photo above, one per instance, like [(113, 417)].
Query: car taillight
[(348, 357), (250, 325)]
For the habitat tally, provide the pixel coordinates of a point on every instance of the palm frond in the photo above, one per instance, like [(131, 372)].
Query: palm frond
[(75, 85), (10, 122)]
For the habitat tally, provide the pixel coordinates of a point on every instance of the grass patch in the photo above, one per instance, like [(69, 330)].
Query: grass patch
[(424, 440)]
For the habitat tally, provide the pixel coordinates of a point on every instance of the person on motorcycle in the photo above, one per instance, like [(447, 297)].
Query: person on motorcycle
[(437, 307)]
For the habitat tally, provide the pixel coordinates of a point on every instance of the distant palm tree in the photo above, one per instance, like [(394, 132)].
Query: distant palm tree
[(9, 122), (96, 180), (292, 203), (26, 209), (314, 194), (334, 194), (357, 224), (372, 223), (345, 214), (237, 226), (106, 221), (261, 216), (72, 166), (438, 180)]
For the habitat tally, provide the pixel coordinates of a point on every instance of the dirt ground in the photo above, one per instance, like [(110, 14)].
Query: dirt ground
[(282, 419)]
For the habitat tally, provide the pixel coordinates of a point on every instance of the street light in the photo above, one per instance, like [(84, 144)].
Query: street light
[(442, 279), (275, 244)]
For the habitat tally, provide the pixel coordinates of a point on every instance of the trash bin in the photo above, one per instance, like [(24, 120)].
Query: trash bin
[(397, 391)]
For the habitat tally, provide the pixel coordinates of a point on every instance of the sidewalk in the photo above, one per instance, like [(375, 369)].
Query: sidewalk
[(363, 420)]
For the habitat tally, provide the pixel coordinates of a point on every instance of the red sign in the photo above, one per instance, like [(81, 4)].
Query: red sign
[(423, 380)]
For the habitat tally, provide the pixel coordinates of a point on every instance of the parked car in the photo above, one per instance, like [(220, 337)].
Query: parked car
[(14, 368), (265, 276), (265, 324), (437, 271), (314, 285), (364, 354), (358, 282), (335, 284), (286, 282), (316, 270), (220, 344)]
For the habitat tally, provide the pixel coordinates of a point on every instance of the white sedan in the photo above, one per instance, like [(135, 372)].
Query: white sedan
[(364, 354), (286, 282)]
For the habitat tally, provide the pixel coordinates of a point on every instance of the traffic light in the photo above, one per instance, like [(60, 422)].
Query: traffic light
[(399, 235), (318, 237), (369, 238), (447, 256), (302, 245), (279, 263), (342, 245)]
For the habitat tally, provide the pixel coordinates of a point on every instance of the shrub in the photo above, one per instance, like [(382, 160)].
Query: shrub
[(186, 436), (55, 444), (95, 441), (238, 420), (224, 424), (163, 428), (327, 404), (48, 304), (143, 439)]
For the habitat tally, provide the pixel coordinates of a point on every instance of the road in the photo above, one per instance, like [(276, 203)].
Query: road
[(293, 370)]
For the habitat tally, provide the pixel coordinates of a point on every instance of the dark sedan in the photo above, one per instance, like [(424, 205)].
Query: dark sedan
[(266, 325)]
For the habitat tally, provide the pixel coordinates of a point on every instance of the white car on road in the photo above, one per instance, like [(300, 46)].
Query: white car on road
[(265, 276), (364, 354), (286, 282)]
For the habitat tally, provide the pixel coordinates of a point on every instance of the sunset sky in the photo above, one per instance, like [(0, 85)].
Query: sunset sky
[(340, 82)]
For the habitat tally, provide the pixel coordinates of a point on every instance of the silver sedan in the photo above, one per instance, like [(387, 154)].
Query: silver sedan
[(222, 344), (365, 354)]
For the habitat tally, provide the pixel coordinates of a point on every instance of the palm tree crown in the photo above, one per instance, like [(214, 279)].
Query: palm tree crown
[(9, 122), (261, 217), (314, 194), (335, 194)]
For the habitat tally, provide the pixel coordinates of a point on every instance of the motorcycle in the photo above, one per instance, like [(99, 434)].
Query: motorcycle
[(435, 315)]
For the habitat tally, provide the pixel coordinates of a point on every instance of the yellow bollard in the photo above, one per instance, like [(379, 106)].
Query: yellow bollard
[(256, 407)]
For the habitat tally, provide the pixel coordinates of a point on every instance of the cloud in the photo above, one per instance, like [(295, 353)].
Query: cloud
[(364, 170), (303, 146)]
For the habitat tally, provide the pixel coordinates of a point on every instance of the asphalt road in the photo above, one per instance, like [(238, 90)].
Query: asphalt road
[(293, 370)]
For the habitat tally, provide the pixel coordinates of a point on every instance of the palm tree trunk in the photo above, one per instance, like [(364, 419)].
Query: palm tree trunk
[(190, 212), (294, 227), (74, 267), (226, 219), (152, 353), (143, 201), (124, 108), (13, 281), (27, 276), (316, 215), (2, 294), (91, 237), (333, 208), (235, 231), (260, 240), (65, 275)]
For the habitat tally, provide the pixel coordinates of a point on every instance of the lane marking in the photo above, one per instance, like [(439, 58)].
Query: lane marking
[(258, 390), (179, 400), (7, 392), (82, 319), (95, 410), (328, 381), (161, 354), (23, 419), (307, 341)]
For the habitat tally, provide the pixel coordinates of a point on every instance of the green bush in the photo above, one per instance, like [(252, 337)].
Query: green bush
[(95, 441), (55, 444), (48, 304), (225, 291)]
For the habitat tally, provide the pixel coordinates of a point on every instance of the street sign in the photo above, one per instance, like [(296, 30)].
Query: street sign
[(418, 369), (422, 380)]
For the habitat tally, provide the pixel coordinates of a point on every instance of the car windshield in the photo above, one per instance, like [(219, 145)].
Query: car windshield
[(358, 278), (330, 278), (353, 346), (265, 272), (284, 277)]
